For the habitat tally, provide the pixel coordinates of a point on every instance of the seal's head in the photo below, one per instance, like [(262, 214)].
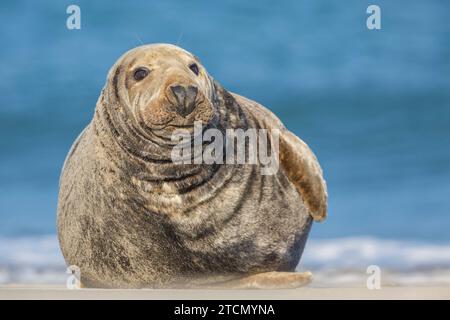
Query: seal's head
[(163, 87)]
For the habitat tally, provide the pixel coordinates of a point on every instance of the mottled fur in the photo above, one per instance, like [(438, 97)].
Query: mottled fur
[(130, 218)]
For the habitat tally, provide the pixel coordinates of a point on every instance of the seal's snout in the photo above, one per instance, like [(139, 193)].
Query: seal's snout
[(185, 98)]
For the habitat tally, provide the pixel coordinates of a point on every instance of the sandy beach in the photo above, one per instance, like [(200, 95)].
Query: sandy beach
[(13, 292)]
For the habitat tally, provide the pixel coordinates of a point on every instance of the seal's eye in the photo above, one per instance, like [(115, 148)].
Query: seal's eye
[(194, 68), (140, 74)]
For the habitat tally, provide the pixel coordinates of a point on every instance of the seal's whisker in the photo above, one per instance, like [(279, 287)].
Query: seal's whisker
[(139, 39), (180, 37)]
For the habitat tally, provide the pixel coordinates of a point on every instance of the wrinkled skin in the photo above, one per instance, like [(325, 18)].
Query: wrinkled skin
[(130, 218)]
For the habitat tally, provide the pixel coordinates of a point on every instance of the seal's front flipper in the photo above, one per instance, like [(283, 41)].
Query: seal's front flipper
[(267, 280), (303, 170)]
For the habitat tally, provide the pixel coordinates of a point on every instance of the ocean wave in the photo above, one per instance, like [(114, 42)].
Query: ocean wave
[(364, 251), (32, 260), (40, 251), (333, 261), (345, 262)]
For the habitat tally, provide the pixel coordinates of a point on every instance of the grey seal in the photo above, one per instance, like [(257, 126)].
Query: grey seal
[(129, 217)]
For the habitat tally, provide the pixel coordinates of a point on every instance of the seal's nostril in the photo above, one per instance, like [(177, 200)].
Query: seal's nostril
[(191, 94), (185, 98), (180, 94)]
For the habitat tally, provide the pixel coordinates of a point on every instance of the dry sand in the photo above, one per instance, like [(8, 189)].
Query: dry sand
[(59, 292)]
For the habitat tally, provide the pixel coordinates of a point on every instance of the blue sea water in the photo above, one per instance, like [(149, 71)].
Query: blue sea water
[(373, 105)]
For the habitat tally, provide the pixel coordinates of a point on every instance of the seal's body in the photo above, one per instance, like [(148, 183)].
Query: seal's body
[(129, 217)]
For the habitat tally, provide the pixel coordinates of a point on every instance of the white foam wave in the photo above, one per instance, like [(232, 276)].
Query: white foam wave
[(40, 251), (365, 251), (31, 260), (333, 261)]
